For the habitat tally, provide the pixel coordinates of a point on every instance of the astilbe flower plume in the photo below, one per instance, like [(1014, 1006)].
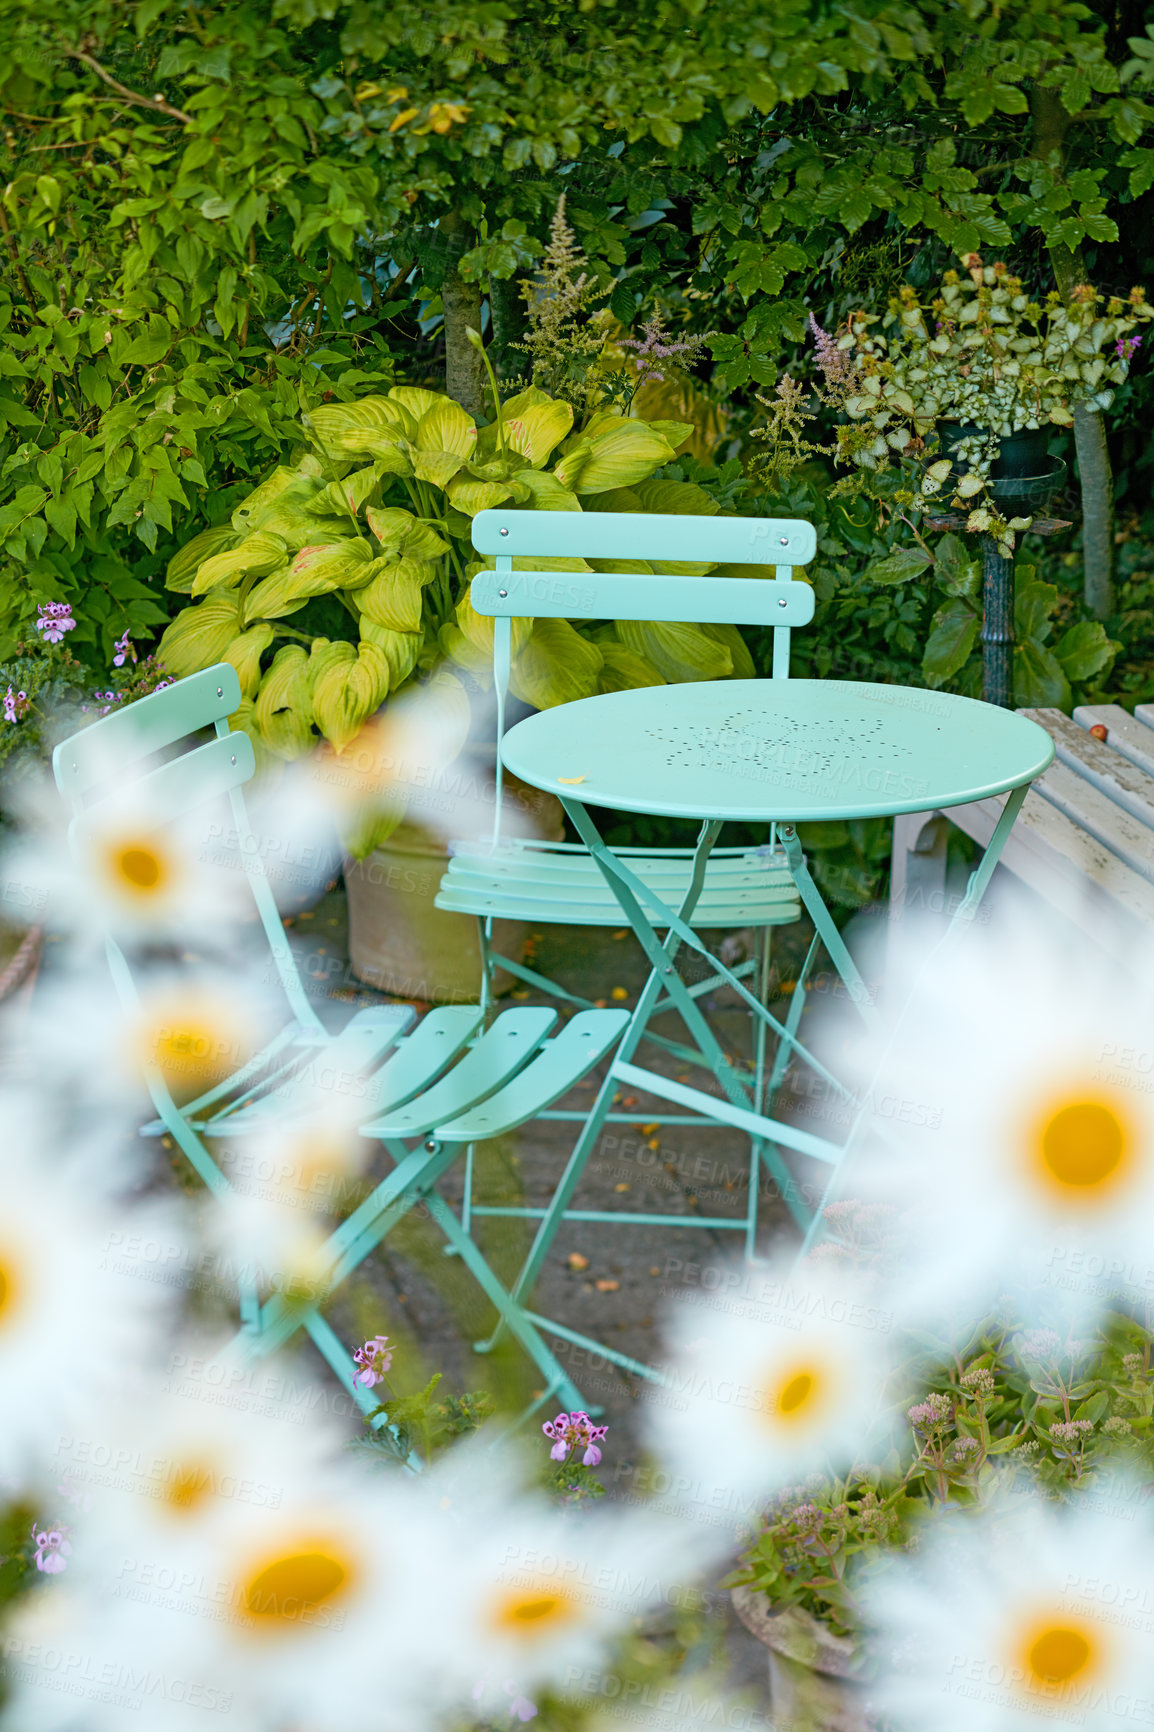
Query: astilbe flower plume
[(570, 1432), (658, 344), (836, 366)]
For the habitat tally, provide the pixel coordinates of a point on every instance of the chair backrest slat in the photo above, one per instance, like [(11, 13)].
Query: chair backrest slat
[(621, 595), (200, 701), (206, 773), (637, 535)]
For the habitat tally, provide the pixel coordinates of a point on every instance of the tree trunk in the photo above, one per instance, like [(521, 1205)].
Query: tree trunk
[(1051, 124), (465, 377)]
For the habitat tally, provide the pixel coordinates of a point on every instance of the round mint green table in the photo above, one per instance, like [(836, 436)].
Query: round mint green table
[(774, 751), (784, 751)]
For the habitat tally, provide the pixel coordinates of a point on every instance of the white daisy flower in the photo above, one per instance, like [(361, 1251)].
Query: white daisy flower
[(1013, 1114), (74, 1308), (195, 1026), (538, 1597), (119, 868), (775, 1374), (1012, 1618), (317, 1609)]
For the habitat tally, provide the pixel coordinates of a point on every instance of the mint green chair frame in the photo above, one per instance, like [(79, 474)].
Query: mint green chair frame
[(562, 883), (433, 1088)]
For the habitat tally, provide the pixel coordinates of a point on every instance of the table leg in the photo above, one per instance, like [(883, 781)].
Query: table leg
[(823, 920)]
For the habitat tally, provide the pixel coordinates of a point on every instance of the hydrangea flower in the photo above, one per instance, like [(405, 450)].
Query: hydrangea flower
[(54, 618), (571, 1432)]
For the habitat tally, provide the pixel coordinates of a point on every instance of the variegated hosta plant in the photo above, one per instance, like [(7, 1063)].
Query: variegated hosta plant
[(981, 353), (378, 516)]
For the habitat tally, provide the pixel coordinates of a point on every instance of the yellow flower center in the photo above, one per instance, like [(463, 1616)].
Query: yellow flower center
[(7, 1292), (796, 1397), (288, 1588), (533, 1611), (138, 867), (189, 1486), (1082, 1148), (1057, 1653), (194, 1042)]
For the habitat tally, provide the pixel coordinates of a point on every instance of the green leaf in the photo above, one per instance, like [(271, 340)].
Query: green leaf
[(256, 556), (556, 666), (955, 570), (1039, 682), (623, 670), (394, 595), (952, 634), (898, 567), (199, 635), (1033, 605), (344, 697), (678, 651), (1084, 650), (244, 652), (283, 709), (400, 649), (184, 565)]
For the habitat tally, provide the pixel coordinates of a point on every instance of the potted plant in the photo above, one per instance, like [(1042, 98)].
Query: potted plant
[(964, 1422), (961, 390)]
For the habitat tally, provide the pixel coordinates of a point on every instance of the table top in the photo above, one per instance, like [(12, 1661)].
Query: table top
[(790, 750)]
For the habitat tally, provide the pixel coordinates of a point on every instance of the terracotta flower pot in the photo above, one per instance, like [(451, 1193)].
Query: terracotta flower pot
[(814, 1676)]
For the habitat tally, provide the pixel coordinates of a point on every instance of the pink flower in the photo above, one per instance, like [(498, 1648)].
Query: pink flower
[(123, 650), (834, 362), (14, 707), (52, 1549), (54, 619), (1125, 347), (373, 1360), (571, 1432)]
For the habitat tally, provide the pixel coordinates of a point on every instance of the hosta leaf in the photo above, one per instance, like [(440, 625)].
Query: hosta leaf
[(620, 457), (478, 628), (556, 666), (568, 470), (623, 670), (417, 402), (257, 555), (678, 651), (731, 638), (437, 467), (331, 565), (402, 536), (326, 654), (447, 428), (250, 513), (535, 431), (371, 830), (471, 496), (546, 492), (199, 635), (400, 649), (184, 565), (677, 498), (616, 499), (345, 696), (283, 709), (393, 597), (345, 498), (676, 432), (952, 634), (244, 652), (342, 427)]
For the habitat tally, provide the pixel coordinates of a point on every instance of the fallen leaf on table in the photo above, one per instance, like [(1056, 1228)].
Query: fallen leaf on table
[(576, 1261), (621, 1187), (572, 781), (608, 1286), (648, 1130), (656, 1270)]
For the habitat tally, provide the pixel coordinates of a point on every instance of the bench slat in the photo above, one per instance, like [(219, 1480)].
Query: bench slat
[(1126, 736), (1102, 766)]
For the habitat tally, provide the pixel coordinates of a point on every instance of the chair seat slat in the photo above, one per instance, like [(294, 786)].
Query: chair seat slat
[(560, 1063), (497, 1056)]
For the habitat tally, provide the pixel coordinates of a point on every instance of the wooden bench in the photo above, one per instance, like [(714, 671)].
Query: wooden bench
[(1084, 839)]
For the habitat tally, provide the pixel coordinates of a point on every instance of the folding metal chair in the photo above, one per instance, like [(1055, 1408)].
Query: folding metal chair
[(560, 883), (432, 1088)]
